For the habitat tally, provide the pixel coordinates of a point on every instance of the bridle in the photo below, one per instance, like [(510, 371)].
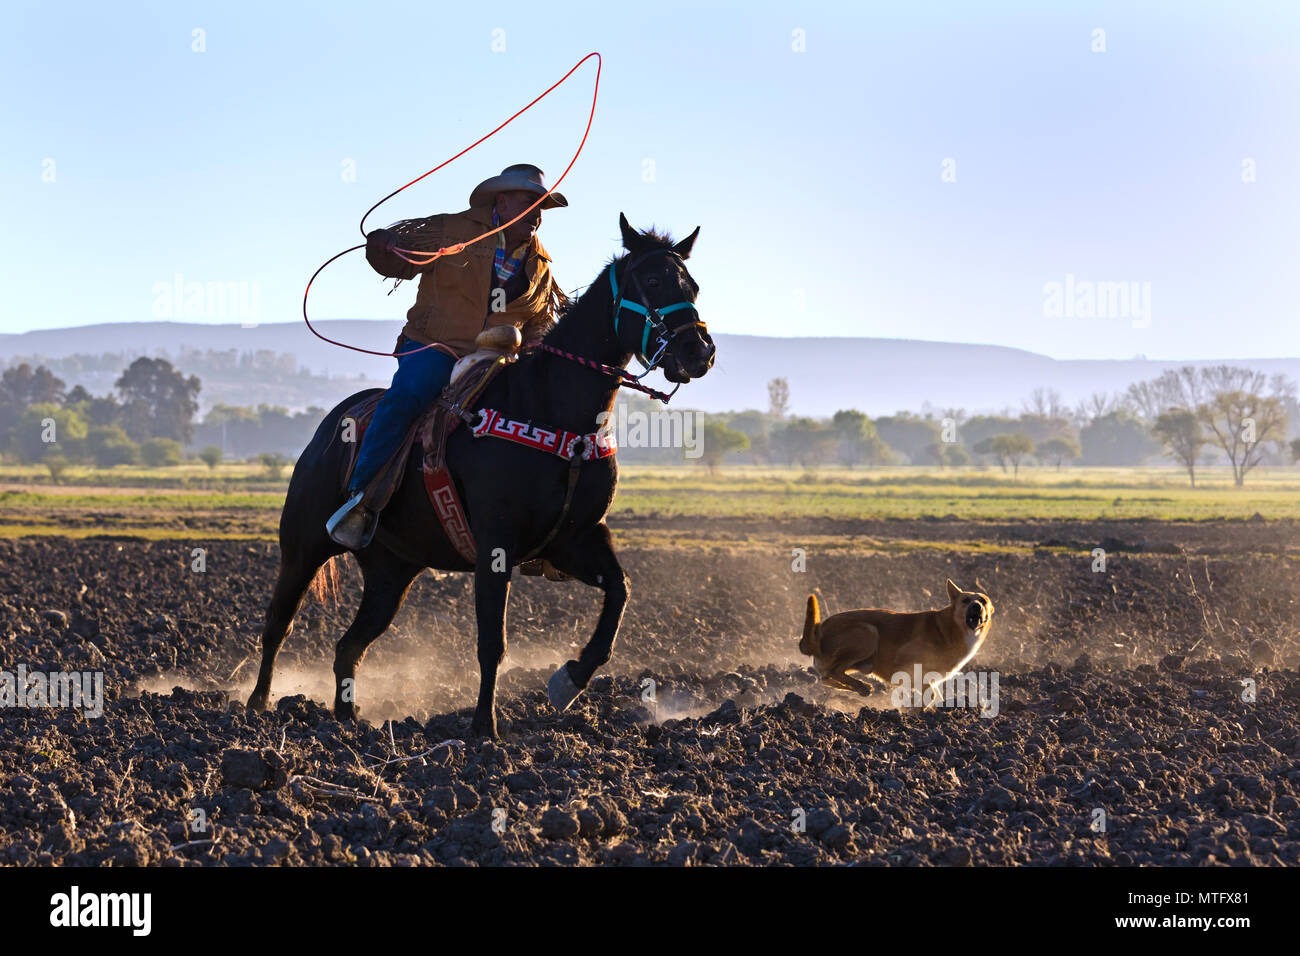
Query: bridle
[(651, 317), (652, 324)]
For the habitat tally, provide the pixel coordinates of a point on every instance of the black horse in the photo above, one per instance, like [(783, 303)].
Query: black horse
[(513, 496)]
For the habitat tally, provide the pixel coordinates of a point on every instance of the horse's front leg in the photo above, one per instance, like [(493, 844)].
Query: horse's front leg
[(590, 558), (491, 592)]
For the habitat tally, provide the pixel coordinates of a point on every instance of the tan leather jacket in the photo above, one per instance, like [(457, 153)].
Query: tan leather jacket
[(454, 301)]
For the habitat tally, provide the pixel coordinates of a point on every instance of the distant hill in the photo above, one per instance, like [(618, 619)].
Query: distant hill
[(877, 376)]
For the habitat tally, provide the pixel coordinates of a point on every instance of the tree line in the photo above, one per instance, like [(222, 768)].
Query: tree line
[(229, 375), (1192, 416), (149, 418)]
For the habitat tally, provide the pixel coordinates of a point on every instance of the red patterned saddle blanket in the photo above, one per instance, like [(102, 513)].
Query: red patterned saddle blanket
[(431, 430)]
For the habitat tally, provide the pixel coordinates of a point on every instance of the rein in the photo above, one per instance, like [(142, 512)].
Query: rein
[(625, 378)]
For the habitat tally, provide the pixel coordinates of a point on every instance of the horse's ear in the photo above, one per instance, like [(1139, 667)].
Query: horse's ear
[(631, 238), (683, 248)]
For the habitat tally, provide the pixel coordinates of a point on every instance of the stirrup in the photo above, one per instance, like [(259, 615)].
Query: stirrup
[(352, 525)]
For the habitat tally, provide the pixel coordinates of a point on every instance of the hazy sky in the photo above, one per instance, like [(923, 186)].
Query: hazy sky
[(817, 176)]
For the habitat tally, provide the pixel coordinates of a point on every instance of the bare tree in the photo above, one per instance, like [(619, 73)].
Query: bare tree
[(1093, 407), (778, 395), (1217, 379), (1045, 403), (1184, 388), (1145, 400)]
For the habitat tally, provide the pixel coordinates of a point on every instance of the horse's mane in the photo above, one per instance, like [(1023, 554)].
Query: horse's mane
[(564, 304)]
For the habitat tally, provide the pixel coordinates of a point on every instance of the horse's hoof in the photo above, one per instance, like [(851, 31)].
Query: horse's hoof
[(561, 689), (347, 711), (257, 701)]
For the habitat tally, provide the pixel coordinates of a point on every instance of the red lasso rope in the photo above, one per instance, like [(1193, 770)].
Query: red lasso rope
[(429, 257)]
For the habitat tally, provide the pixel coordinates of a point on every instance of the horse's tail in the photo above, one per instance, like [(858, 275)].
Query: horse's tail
[(324, 585), (811, 643)]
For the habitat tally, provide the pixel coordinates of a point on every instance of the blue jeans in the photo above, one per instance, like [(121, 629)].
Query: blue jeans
[(419, 379)]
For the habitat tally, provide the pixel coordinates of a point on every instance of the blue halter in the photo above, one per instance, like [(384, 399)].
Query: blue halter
[(651, 318)]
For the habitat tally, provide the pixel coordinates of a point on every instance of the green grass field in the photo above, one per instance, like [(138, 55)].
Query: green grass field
[(241, 501), (191, 476), (1076, 494)]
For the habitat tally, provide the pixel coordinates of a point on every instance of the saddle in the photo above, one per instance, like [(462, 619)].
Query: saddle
[(495, 349)]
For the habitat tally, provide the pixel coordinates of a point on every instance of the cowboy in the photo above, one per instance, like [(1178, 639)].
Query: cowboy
[(460, 295)]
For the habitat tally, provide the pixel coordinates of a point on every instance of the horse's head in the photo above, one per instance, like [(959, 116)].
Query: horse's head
[(654, 305)]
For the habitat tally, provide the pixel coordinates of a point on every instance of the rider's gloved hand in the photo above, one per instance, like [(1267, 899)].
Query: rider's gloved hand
[(382, 258), (383, 239)]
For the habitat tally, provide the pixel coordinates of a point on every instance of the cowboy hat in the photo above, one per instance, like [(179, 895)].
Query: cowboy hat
[(520, 176)]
